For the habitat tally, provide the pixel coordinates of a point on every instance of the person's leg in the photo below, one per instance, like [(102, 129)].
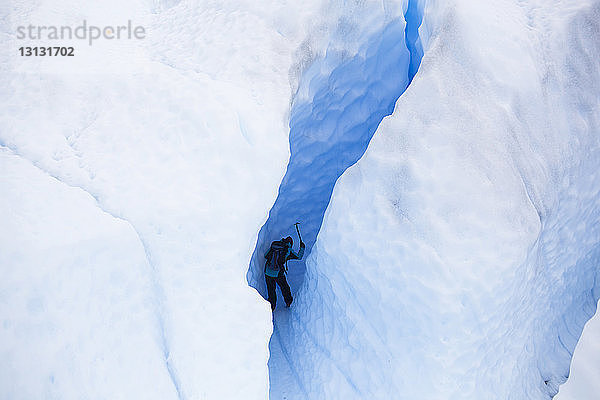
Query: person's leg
[(271, 291), (285, 289)]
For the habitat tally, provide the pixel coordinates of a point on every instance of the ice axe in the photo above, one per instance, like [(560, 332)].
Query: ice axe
[(298, 230)]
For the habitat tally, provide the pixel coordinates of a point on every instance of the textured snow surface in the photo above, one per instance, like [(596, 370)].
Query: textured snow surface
[(77, 300), (457, 259), (131, 284)]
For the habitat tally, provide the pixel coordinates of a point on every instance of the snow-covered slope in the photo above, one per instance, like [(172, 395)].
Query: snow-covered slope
[(77, 300), (458, 259), (176, 145)]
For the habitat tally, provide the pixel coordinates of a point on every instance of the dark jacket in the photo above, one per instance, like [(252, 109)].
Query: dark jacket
[(291, 255)]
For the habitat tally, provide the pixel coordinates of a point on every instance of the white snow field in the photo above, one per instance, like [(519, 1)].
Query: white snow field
[(443, 159), (174, 145)]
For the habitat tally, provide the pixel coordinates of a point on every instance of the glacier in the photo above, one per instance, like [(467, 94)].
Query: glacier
[(442, 158)]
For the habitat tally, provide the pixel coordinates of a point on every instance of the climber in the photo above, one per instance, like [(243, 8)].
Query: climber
[(275, 268)]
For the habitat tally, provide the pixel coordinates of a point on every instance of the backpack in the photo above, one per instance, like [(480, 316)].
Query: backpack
[(279, 251)]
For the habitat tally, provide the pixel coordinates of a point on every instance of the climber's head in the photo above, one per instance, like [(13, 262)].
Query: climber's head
[(289, 241)]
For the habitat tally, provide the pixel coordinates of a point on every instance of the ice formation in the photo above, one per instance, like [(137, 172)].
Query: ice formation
[(443, 162), (459, 257), (341, 100)]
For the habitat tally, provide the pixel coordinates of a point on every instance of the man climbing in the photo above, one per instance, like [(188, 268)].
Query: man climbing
[(275, 268)]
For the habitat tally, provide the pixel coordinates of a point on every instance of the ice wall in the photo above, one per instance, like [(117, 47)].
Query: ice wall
[(341, 99), (341, 102), (459, 257)]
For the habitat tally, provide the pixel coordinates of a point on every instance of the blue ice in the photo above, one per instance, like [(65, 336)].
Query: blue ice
[(345, 99)]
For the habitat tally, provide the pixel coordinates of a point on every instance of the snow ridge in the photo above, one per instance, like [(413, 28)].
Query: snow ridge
[(159, 296)]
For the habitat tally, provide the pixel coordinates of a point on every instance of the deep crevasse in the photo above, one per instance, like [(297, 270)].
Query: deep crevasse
[(330, 132), (339, 104)]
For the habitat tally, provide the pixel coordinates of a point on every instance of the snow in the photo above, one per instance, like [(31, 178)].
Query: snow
[(442, 158), (458, 257), (77, 299), (583, 379), (172, 148)]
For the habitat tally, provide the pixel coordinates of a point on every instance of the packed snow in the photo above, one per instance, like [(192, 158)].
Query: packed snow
[(441, 157), (187, 153), (459, 257)]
